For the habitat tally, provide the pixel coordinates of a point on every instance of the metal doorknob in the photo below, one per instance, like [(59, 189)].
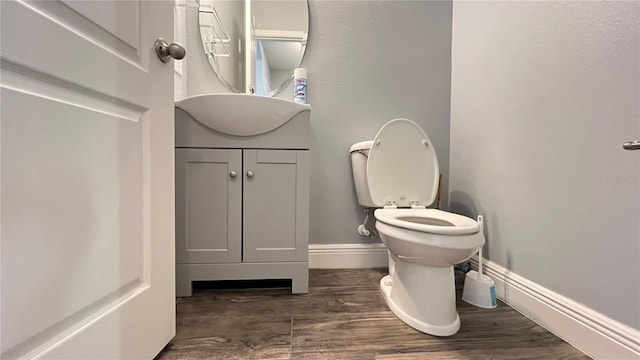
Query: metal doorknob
[(166, 51), (631, 145), (249, 174), (233, 174)]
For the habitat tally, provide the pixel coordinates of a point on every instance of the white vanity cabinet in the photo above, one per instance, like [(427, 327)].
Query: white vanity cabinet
[(242, 204)]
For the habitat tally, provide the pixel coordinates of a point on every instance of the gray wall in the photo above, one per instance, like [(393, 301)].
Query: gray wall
[(543, 96), (368, 62)]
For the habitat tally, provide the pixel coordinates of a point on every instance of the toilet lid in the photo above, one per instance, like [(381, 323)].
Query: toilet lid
[(402, 165)]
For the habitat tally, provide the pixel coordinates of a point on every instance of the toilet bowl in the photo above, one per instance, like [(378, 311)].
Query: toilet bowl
[(398, 173)]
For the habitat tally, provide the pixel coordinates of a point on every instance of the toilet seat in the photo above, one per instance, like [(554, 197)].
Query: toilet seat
[(432, 221), (402, 166)]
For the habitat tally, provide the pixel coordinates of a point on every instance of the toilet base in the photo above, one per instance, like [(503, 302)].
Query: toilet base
[(424, 300)]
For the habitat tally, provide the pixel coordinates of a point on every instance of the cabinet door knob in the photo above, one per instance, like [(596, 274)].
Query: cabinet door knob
[(249, 174), (233, 174)]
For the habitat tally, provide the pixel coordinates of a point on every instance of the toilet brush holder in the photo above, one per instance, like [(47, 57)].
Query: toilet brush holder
[(479, 290)]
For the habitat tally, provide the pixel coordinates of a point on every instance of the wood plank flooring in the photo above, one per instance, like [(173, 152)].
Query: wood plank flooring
[(344, 317)]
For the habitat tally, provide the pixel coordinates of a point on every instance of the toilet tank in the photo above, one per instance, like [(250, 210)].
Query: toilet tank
[(359, 154)]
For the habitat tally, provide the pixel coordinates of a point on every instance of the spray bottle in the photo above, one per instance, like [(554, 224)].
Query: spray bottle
[(300, 86)]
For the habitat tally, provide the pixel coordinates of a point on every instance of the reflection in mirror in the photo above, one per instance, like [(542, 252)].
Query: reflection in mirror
[(265, 59), (222, 35)]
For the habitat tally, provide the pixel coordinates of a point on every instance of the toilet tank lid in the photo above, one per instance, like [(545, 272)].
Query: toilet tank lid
[(362, 145)]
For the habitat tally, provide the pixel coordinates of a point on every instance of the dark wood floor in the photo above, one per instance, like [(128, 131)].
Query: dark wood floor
[(344, 317)]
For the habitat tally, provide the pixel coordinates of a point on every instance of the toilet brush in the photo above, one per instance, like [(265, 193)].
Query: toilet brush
[(479, 289)]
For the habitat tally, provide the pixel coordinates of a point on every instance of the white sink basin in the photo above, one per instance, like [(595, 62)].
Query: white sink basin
[(240, 114)]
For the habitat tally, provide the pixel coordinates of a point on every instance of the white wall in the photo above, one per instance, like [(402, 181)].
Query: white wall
[(368, 62), (543, 96)]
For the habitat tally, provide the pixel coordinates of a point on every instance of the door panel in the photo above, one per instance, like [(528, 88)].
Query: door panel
[(92, 172), (87, 191), (208, 200), (120, 19), (66, 48), (275, 203)]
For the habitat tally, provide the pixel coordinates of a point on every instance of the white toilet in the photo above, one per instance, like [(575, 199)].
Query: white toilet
[(398, 173)]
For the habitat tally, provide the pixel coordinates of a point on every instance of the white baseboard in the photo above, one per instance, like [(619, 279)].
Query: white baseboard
[(586, 329), (347, 256)]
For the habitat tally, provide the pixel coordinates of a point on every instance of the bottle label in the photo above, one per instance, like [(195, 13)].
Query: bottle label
[(300, 91)]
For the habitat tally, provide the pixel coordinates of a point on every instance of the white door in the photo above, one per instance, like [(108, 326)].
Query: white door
[(87, 199)]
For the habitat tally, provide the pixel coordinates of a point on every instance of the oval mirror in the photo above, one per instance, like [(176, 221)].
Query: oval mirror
[(254, 45)]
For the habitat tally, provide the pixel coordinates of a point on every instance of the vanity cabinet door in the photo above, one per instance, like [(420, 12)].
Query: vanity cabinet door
[(208, 206), (275, 205)]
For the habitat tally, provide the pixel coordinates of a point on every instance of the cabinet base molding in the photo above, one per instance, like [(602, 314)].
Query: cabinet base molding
[(298, 272)]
